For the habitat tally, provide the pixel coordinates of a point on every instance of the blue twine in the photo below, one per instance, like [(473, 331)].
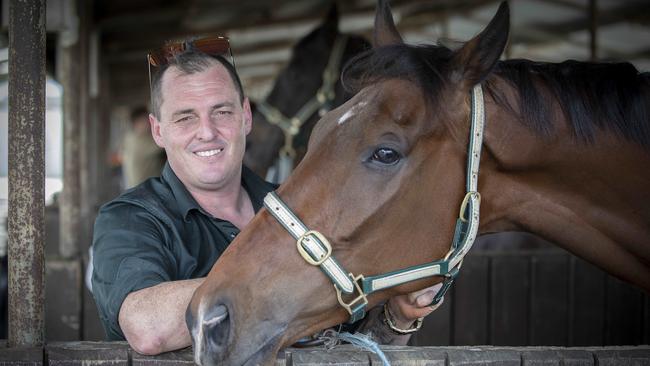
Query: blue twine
[(363, 341)]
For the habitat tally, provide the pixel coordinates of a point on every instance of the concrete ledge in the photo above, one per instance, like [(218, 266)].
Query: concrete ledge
[(88, 354), (21, 356), (179, 358), (119, 354)]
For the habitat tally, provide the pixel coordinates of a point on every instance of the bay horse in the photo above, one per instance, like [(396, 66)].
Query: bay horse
[(564, 154), (307, 88)]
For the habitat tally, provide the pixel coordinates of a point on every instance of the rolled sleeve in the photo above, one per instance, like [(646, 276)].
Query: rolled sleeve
[(129, 254)]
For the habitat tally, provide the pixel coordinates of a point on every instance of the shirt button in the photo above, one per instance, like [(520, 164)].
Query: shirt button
[(232, 235)]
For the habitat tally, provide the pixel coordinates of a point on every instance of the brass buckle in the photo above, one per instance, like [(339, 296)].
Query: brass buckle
[(306, 256), (361, 298)]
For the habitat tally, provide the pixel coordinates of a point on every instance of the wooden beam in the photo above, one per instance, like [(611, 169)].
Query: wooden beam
[(26, 158)]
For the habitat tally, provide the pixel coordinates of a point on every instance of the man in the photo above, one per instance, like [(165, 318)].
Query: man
[(141, 157), (154, 245)]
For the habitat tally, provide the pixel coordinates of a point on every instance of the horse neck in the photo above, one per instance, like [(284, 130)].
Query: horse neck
[(591, 199)]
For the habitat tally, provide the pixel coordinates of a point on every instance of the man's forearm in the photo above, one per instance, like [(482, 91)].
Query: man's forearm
[(153, 319)]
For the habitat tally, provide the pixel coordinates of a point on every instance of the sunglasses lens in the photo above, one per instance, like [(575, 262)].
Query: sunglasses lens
[(155, 59), (212, 46), (216, 46)]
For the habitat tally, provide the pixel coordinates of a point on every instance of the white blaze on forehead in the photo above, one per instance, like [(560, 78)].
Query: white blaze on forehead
[(350, 112)]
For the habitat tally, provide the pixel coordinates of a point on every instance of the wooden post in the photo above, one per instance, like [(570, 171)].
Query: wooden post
[(68, 65), (26, 172), (86, 128)]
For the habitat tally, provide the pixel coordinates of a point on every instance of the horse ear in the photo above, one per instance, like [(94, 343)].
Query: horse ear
[(474, 61), (385, 31)]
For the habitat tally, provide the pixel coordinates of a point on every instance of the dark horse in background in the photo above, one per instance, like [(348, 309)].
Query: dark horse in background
[(565, 155), (308, 87)]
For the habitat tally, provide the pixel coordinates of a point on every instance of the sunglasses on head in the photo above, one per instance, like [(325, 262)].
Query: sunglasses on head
[(213, 46)]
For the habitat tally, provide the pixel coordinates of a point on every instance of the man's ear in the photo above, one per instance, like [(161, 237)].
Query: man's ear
[(385, 31), (155, 130), (248, 115), (472, 63)]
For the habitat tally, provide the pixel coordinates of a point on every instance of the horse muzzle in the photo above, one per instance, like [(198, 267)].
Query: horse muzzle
[(211, 332)]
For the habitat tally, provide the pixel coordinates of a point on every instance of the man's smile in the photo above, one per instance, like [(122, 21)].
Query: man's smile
[(208, 153)]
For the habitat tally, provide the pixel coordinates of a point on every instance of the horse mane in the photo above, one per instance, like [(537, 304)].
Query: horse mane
[(609, 96)]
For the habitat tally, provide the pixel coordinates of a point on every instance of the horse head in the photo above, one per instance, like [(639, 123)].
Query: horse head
[(307, 88), (382, 181)]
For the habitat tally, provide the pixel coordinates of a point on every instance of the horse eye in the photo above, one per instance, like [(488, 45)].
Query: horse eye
[(385, 155)]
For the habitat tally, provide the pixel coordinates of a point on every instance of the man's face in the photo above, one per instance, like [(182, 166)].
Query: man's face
[(202, 127)]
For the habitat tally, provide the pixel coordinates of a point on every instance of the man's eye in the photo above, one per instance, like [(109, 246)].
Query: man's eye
[(385, 155), (184, 119)]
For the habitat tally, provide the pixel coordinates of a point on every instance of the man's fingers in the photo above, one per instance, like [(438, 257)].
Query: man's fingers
[(424, 297), (425, 310), (434, 307), (415, 305)]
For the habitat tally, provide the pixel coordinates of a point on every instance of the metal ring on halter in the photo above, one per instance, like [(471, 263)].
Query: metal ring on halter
[(463, 206), (305, 237), (358, 302)]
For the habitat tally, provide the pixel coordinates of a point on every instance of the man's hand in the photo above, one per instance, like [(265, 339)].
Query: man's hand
[(406, 309)]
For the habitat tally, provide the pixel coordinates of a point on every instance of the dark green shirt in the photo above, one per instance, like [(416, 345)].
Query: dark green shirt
[(153, 233)]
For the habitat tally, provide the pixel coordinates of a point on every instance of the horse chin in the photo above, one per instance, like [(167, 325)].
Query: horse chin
[(247, 355), (264, 355)]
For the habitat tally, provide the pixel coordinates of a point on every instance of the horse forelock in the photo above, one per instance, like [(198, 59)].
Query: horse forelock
[(424, 65)]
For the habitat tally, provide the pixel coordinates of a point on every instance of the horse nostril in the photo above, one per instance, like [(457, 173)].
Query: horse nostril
[(216, 326), (218, 315)]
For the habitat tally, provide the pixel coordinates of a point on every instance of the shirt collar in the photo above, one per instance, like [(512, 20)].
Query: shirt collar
[(255, 186)]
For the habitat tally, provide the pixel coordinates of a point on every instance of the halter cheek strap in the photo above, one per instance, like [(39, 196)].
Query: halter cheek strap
[(317, 251), (321, 102)]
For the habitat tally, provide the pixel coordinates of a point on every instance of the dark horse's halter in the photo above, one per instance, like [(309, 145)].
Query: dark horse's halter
[(321, 103), (317, 251)]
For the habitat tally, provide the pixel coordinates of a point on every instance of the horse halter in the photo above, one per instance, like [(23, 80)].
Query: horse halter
[(321, 103), (317, 251)]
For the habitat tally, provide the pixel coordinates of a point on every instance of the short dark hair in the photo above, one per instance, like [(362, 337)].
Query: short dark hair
[(189, 62)]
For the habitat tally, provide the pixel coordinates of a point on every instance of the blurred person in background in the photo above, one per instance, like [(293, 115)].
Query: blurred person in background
[(141, 157)]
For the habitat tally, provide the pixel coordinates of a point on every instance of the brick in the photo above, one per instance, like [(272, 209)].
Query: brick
[(184, 357), (468, 356), (629, 356), (88, 353), (28, 356), (345, 355), (559, 357), (411, 356)]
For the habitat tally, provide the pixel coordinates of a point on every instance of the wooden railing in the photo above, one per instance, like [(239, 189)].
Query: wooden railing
[(119, 354)]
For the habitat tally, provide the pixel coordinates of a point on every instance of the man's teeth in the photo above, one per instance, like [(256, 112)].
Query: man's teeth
[(205, 154)]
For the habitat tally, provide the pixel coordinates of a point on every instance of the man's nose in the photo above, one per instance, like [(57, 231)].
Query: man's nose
[(207, 129)]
